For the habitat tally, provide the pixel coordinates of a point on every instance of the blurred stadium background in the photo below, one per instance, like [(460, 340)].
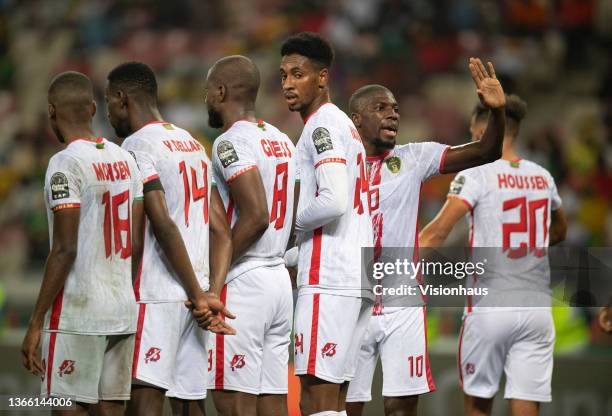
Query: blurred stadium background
[(556, 54)]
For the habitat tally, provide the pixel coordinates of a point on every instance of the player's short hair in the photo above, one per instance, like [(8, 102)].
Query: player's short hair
[(359, 97), (71, 82), (311, 45), (516, 110), (135, 77)]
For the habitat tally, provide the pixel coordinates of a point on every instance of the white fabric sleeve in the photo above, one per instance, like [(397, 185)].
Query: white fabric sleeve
[(330, 202), (291, 257)]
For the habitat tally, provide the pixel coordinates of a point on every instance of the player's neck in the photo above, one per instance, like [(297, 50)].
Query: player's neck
[(509, 152), (142, 115), (314, 105), (236, 113), (75, 132)]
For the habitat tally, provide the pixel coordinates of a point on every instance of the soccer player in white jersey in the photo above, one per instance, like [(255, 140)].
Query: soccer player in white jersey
[(86, 305), (254, 171), (181, 209), (513, 205), (397, 330), (332, 224)]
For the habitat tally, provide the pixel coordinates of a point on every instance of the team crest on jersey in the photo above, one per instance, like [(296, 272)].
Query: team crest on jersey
[(152, 355), (470, 368), (456, 185), (328, 350), (237, 362), (168, 126), (226, 152), (394, 164), (322, 140), (59, 186), (66, 368)]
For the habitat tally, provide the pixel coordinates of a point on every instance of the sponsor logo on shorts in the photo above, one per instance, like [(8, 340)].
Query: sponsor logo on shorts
[(328, 350), (470, 368), (299, 343), (153, 355), (237, 362), (66, 368)]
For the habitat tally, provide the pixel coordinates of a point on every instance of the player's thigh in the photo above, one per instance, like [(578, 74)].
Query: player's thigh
[(73, 365), (156, 343), (530, 358), (324, 327), (191, 363), (360, 387), (116, 377), (277, 339), (483, 345), (403, 351), (235, 362)]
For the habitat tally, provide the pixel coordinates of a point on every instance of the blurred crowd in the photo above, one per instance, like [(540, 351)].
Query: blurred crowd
[(553, 53)]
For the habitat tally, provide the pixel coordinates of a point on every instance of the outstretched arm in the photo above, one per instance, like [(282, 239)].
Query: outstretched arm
[(434, 234), (558, 227), (489, 148)]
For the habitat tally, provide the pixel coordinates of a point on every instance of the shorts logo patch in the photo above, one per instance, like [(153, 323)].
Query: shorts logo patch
[(299, 343), (226, 152), (153, 355), (394, 164), (59, 186), (66, 368), (456, 185), (328, 350), (470, 368), (322, 140), (237, 362)]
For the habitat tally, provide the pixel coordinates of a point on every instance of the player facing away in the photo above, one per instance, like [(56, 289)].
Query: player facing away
[(514, 205), (254, 171), (86, 307), (332, 224), (397, 330), (184, 220)]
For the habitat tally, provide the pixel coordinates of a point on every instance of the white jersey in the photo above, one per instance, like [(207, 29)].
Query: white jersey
[(395, 179), (510, 204), (245, 146), (330, 256), (97, 297), (168, 153)]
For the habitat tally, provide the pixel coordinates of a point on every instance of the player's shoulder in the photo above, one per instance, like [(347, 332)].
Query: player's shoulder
[(327, 116)]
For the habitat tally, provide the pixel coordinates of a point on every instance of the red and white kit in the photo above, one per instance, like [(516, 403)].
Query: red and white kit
[(258, 287), (397, 332), (167, 336), (88, 333), (510, 205), (331, 313)]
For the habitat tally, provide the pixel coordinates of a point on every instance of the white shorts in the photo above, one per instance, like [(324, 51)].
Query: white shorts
[(256, 359), (87, 367), (170, 350), (518, 343), (400, 338), (328, 333)]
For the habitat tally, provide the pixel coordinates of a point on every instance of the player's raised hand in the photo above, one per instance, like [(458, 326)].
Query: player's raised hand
[(29, 351), (489, 89)]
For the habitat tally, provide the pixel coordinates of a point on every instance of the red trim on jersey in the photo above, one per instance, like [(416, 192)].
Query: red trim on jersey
[(240, 172), (315, 111), (471, 243), (430, 382), (376, 158), (56, 312), (314, 329), (315, 258), (459, 354), (150, 178), (230, 210), (465, 201), (330, 160), (66, 206), (138, 338), (138, 276), (442, 159), (415, 252), (220, 353), (50, 354)]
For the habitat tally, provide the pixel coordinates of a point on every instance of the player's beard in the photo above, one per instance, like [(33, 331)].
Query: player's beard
[(383, 144), (214, 119), (122, 129)]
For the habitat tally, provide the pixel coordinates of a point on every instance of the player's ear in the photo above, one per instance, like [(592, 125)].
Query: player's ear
[(356, 117), (51, 109), (123, 99), (323, 78), (222, 91), (93, 108)]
